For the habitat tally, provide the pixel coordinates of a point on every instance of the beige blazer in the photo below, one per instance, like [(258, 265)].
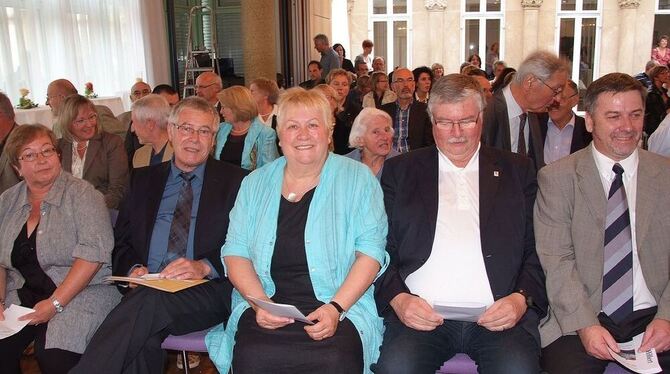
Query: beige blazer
[(569, 220), (142, 155)]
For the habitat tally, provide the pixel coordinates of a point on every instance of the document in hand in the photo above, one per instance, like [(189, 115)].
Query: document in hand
[(468, 312), (11, 325), (153, 281), (637, 361), (280, 310)]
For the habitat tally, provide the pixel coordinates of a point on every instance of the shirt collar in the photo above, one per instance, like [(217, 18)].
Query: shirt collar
[(198, 172), (448, 166), (513, 108), (571, 122), (605, 164)]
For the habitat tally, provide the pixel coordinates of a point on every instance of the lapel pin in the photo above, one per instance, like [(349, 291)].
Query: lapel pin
[(496, 173)]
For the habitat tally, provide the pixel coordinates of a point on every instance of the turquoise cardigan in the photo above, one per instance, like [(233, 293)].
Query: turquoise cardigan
[(260, 146), (346, 216)]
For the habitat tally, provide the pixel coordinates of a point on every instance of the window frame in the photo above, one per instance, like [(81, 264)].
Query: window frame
[(658, 10), (389, 19), (483, 16)]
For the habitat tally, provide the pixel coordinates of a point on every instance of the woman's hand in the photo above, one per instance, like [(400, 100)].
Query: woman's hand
[(44, 311), (269, 321), (328, 318)]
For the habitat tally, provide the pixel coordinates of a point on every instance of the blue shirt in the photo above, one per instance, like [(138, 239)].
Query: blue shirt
[(401, 127), (159, 236), (558, 142)]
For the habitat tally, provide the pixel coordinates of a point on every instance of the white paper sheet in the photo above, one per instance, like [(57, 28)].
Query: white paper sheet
[(280, 310), (635, 360), (468, 312), (11, 325)]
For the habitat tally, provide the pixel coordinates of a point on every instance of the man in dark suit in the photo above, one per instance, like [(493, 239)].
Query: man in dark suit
[(508, 123), (410, 119), (460, 231), (562, 130), (185, 201)]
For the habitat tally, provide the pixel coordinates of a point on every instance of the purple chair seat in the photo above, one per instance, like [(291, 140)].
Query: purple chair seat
[(463, 364), (193, 342)]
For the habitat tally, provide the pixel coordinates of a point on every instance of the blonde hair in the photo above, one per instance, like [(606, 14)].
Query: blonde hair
[(240, 102), (69, 112)]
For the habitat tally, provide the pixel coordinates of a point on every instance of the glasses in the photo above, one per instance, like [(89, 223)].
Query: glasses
[(200, 87), (403, 81), (556, 91), (462, 124), (143, 92), (83, 121), (32, 156), (570, 96), (186, 130)]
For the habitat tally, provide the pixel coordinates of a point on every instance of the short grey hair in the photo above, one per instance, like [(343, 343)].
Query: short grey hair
[(152, 107), (6, 106), (455, 88), (198, 104), (322, 38), (540, 64), (360, 125)]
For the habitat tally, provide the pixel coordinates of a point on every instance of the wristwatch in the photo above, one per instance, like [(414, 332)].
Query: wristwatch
[(343, 313), (57, 305), (529, 299)]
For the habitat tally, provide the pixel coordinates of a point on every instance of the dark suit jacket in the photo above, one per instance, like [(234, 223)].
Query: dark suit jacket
[(135, 223), (105, 167), (496, 131), (410, 184), (580, 136), (420, 133)]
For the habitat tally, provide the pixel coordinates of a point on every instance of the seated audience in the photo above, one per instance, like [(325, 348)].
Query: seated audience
[(381, 93), (207, 86), (480, 76), (8, 175), (243, 140), (137, 91), (60, 89), (643, 77), (90, 153), (601, 239), (475, 60), (55, 253), (331, 96), (498, 67), (347, 110), (423, 78), (129, 339), (362, 87), (449, 212), (168, 92), (315, 72), (149, 123), (337, 205), (265, 93), (372, 137), (345, 63), (657, 103), (378, 64), (503, 79), (361, 68), (438, 70)]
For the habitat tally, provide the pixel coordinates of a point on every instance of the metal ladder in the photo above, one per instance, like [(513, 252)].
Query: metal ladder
[(192, 68)]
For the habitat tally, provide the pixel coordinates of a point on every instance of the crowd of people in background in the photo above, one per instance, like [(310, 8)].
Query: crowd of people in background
[(367, 197)]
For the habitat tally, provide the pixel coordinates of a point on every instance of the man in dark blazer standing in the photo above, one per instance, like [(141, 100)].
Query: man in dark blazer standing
[(129, 339), (509, 123), (562, 131), (410, 118), (460, 232)]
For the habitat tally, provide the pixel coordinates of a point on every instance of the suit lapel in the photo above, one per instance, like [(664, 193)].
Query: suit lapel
[(590, 185), (647, 191), (428, 188), (536, 140), (503, 122), (489, 180), (94, 147)]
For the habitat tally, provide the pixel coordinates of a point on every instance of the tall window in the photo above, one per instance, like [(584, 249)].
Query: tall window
[(389, 22), (482, 31), (579, 23)]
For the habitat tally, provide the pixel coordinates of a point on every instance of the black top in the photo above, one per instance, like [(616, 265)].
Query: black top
[(232, 150), (289, 268), (157, 158), (38, 286)]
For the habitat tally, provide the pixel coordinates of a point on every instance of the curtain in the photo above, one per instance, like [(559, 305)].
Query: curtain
[(98, 41)]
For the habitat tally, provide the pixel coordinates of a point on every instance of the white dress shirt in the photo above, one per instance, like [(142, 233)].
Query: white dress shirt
[(78, 162), (558, 142), (514, 112)]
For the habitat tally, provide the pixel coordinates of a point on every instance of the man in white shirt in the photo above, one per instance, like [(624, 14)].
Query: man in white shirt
[(601, 228), (659, 141), (460, 233)]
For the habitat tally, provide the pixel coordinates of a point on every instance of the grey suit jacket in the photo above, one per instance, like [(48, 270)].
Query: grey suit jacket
[(109, 123), (569, 217), (106, 165)]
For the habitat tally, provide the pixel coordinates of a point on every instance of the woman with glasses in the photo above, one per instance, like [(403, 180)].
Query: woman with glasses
[(242, 139), (55, 252), (90, 153), (380, 94)]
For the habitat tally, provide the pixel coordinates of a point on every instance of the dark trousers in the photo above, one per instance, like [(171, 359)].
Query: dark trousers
[(407, 351), (567, 355), (129, 339), (50, 361)]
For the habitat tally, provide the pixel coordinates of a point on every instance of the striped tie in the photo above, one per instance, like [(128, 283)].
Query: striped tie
[(618, 257)]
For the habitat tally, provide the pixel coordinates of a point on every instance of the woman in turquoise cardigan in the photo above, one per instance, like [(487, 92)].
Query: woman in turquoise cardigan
[(243, 140), (309, 230)]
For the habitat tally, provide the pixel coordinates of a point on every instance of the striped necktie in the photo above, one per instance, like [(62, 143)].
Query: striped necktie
[(521, 148), (181, 222), (618, 255)]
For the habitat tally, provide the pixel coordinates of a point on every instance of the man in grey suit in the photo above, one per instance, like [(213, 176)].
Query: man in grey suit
[(510, 122), (8, 175), (600, 218)]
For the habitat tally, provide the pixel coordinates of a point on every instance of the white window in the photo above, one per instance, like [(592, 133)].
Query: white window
[(482, 31), (389, 23), (578, 39)]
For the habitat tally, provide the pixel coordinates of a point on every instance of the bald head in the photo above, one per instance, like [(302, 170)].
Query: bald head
[(57, 91), (207, 85), (139, 90)]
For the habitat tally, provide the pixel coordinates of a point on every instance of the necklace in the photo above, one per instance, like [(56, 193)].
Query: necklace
[(296, 193), (242, 131)]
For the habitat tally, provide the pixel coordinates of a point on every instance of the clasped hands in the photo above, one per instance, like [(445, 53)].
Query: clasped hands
[(417, 314), (327, 316)]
